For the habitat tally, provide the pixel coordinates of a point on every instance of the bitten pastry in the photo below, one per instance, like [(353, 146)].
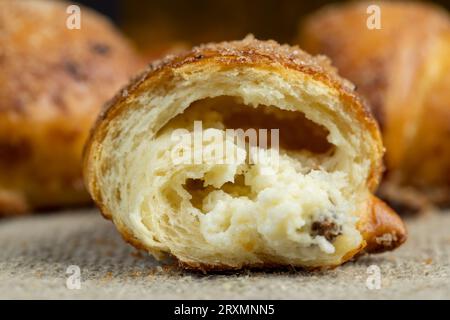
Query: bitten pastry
[(305, 200), (53, 83), (403, 69)]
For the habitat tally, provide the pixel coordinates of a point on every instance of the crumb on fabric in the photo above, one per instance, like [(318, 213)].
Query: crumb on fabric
[(107, 277)]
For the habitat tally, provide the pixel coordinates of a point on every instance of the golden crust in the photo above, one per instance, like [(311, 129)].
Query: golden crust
[(254, 52), (382, 228), (53, 83), (249, 51), (402, 70)]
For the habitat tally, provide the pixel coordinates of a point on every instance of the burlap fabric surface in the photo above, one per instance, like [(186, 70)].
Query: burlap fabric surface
[(36, 252)]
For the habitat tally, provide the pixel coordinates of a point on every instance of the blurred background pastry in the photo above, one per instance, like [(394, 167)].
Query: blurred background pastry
[(54, 81), (403, 70)]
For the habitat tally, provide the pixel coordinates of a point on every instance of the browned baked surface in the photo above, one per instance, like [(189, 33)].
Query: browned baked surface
[(52, 85), (382, 228), (403, 71), (262, 54)]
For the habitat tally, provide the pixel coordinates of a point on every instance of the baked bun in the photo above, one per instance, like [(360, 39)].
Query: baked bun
[(403, 70), (53, 83), (307, 202)]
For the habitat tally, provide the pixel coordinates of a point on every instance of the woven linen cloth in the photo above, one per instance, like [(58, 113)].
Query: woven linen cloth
[(40, 256)]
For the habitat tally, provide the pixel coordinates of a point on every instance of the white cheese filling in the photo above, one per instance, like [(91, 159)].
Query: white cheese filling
[(273, 209)]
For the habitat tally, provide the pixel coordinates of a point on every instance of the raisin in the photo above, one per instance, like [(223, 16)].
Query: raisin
[(326, 228)]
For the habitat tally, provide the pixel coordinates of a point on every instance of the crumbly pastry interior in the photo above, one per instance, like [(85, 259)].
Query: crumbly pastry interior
[(299, 205)]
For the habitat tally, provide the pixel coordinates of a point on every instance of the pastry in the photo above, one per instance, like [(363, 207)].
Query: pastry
[(165, 163), (403, 70), (53, 83)]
